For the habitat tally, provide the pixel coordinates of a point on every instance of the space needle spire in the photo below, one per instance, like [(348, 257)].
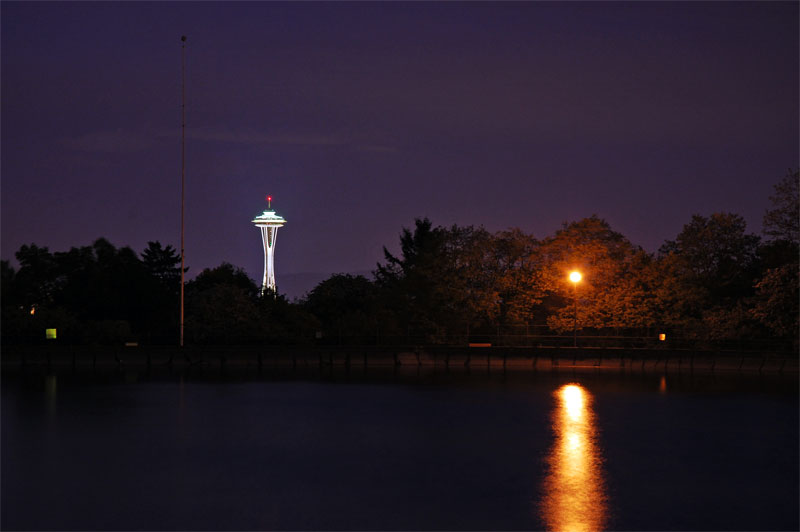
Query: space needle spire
[(269, 222)]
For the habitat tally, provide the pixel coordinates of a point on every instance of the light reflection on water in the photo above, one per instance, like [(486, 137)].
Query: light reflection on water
[(394, 452), (574, 490)]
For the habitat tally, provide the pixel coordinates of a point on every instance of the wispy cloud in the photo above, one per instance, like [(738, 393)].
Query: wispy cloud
[(309, 140), (121, 141), (250, 136), (375, 148), (118, 141)]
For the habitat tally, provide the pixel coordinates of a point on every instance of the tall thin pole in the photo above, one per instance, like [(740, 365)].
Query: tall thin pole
[(575, 316), (183, 165)]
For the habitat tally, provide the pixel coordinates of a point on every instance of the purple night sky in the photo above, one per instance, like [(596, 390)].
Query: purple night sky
[(359, 117)]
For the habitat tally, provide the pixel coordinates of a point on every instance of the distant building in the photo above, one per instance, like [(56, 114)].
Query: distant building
[(269, 222)]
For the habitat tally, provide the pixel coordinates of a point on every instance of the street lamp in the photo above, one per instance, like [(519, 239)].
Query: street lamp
[(575, 277)]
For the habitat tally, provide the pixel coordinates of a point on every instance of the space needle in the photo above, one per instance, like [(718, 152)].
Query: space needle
[(269, 222)]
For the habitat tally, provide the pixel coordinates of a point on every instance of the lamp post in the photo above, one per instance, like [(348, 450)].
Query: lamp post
[(575, 277)]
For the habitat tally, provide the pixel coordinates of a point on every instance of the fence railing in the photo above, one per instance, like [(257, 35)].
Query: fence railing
[(500, 337), (506, 339)]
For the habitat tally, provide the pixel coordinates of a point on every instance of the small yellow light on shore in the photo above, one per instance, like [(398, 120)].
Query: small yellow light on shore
[(50, 334), (33, 311), (575, 277), (662, 337)]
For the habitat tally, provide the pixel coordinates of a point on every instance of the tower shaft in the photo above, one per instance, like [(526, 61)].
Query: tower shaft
[(269, 235), (269, 222)]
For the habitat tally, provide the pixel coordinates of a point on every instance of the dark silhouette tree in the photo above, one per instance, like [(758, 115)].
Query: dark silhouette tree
[(517, 268), (163, 266), (706, 272), (221, 307), (163, 263), (409, 282), (782, 221), (345, 304), (776, 302), (225, 274), (716, 252), (441, 282), (36, 279)]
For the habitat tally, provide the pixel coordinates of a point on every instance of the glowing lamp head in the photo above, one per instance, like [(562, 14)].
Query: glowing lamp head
[(575, 277)]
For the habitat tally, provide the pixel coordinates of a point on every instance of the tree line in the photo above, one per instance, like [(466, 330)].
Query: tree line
[(714, 281)]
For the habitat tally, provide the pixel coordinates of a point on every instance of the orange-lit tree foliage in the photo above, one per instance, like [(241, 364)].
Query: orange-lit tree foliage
[(519, 287), (615, 291)]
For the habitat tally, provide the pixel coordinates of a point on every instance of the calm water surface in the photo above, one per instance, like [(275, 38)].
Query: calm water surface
[(555, 451)]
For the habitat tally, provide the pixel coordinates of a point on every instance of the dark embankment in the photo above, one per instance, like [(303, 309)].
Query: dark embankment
[(445, 358)]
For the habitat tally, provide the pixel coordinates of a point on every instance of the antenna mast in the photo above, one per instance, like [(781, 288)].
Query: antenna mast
[(183, 164)]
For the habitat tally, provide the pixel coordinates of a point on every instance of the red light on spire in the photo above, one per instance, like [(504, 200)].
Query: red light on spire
[(269, 202)]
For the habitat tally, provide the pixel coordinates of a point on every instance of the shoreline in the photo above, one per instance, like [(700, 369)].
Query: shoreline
[(396, 358)]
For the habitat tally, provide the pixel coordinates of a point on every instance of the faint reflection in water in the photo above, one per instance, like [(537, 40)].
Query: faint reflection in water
[(575, 497), (51, 393)]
